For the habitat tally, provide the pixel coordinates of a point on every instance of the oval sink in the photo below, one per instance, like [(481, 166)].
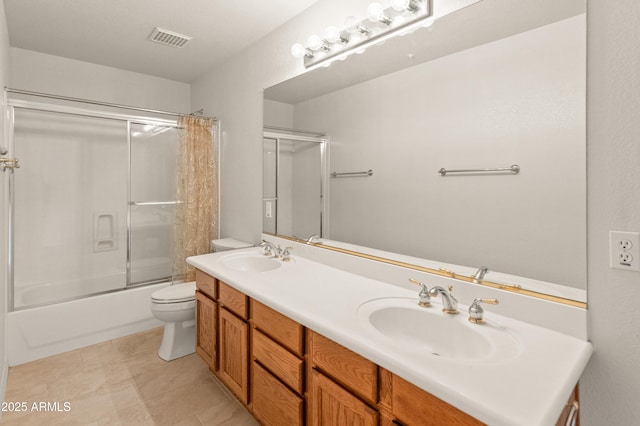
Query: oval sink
[(429, 331), (250, 262)]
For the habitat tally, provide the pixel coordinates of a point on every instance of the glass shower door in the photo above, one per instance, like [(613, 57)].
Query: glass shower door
[(152, 206), (69, 207)]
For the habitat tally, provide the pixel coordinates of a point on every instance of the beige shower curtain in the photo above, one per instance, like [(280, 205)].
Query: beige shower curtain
[(197, 189)]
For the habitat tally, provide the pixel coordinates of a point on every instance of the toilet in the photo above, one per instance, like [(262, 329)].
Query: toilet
[(176, 307), (225, 244)]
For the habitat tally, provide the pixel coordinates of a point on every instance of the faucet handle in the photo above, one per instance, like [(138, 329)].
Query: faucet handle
[(286, 254), (425, 298), (476, 312)]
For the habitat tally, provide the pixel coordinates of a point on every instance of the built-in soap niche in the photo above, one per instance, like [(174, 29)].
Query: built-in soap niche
[(104, 231)]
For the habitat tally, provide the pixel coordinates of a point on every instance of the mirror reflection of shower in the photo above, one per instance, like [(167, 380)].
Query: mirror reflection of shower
[(294, 183), (94, 202)]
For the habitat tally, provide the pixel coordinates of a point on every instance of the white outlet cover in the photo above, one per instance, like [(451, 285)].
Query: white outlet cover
[(624, 250)]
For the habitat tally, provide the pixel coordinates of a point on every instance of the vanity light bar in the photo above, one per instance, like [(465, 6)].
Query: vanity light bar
[(401, 17)]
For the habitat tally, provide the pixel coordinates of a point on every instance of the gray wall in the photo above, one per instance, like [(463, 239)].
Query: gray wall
[(611, 384)]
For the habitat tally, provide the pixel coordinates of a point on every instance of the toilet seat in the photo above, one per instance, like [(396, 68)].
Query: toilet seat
[(177, 293)]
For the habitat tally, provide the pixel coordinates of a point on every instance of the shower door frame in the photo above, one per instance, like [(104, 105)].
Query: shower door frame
[(129, 119), (277, 136)]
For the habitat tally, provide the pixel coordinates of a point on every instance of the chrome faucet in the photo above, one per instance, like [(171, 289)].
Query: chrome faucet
[(312, 238), (449, 303), (286, 254), (271, 249), (480, 273), (424, 297), (476, 312)]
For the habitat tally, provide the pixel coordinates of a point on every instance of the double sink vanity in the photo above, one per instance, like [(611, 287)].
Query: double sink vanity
[(301, 341)]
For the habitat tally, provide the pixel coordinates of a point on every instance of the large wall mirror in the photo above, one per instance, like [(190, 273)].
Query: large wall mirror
[(494, 84)]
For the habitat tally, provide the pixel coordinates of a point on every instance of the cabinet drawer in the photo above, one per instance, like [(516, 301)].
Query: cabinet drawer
[(206, 283), (272, 402), (283, 330), (413, 406), (282, 363), (350, 369), (232, 299)]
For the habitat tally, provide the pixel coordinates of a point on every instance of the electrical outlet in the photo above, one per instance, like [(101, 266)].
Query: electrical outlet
[(625, 259), (625, 244), (624, 248)]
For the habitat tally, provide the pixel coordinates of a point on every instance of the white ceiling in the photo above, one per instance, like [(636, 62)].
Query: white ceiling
[(114, 32)]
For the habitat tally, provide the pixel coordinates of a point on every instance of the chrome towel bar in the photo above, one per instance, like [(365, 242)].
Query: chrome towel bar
[(352, 174), (514, 169)]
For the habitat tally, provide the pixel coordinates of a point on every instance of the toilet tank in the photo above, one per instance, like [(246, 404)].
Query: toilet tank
[(225, 244)]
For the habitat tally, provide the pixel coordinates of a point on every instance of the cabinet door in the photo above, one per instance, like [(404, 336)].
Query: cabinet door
[(332, 405), (206, 332), (272, 402), (233, 356)]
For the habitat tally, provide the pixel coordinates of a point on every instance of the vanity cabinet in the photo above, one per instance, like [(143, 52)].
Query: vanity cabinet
[(288, 375)]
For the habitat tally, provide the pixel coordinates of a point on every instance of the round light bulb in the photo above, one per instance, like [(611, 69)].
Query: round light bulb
[(375, 12), (400, 5), (351, 23), (298, 50), (314, 42), (332, 34)]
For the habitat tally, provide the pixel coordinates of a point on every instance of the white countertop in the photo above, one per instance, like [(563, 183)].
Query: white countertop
[(528, 389)]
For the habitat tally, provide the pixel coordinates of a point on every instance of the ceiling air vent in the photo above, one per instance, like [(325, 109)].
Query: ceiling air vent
[(169, 38)]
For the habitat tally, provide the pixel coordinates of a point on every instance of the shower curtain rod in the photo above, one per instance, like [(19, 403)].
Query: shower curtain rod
[(107, 104)]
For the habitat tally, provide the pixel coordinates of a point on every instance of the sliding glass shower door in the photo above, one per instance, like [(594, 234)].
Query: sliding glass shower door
[(70, 198), (153, 164), (93, 205)]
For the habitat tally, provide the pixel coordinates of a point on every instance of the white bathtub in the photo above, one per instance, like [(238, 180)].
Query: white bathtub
[(48, 330)]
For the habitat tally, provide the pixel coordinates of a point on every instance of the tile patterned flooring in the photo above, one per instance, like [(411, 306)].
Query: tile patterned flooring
[(121, 382)]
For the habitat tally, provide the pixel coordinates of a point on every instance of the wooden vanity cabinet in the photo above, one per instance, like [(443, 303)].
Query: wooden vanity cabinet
[(277, 367), (206, 319), (288, 375), (233, 341)]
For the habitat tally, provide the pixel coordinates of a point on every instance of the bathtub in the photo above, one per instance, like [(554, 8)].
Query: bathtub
[(49, 330)]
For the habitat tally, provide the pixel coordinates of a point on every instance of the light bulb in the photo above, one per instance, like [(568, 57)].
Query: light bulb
[(400, 5), (375, 13), (409, 5), (332, 34), (298, 50), (351, 23), (314, 42)]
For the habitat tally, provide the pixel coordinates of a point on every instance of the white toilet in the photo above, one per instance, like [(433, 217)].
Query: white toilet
[(176, 307), (225, 244)]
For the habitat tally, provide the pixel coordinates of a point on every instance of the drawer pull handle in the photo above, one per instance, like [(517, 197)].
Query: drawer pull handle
[(572, 418)]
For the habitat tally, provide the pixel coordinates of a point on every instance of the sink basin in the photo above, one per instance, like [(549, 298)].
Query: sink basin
[(430, 332), (250, 262)]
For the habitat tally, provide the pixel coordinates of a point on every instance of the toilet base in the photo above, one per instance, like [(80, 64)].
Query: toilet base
[(178, 340)]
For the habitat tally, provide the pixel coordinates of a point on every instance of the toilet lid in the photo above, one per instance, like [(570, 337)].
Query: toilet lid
[(175, 293)]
